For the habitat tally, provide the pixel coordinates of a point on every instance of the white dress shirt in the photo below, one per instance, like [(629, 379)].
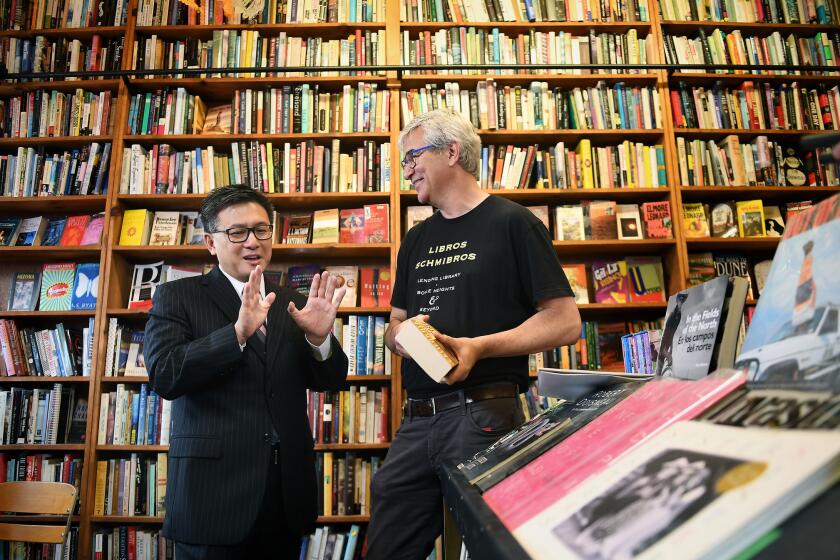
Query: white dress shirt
[(321, 352)]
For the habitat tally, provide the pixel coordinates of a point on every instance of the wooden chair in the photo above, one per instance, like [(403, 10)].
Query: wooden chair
[(55, 499)]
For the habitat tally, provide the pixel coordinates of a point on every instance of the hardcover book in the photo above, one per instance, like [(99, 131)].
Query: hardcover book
[(24, 291), (602, 217), (699, 490), (57, 287), (375, 290), (52, 234), (31, 232), (734, 265), (349, 277), (144, 281), (297, 229), (325, 226), (724, 220), (417, 337), (136, 227), (630, 423), (377, 223), (300, 277), (609, 281), (165, 228), (657, 220), (8, 231), (793, 336), (629, 221), (93, 231), (352, 225), (74, 230), (86, 286), (694, 220), (576, 275), (647, 281), (774, 224), (569, 224), (751, 218)]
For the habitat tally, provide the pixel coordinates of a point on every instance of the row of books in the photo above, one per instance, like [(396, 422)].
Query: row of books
[(136, 541), (132, 486), (36, 172), (598, 348), (43, 113), (759, 163), (62, 54), (41, 467), (822, 12), (720, 47), (369, 224), (332, 543), (124, 350), (363, 339), (54, 231), (629, 280), (745, 218), (161, 12), (18, 549), (56, 287), (358, 415), (58, 352), (42, 416), (756, 105), (166, 111), (59, 14), (523, 10), (536, 107), (705, 266), (345, 488), (639, 351), (253, 49), (463, 45), (604, 219), (142, 227), (133, 417)]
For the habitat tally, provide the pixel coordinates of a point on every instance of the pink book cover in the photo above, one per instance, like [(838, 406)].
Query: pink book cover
[(631, 422), (93, 231)]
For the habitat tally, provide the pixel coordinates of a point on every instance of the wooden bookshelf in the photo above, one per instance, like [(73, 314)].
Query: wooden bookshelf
[(116, 261)]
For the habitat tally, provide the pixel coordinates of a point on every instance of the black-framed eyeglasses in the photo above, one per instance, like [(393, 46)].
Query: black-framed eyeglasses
[(239, 234), (411, 155)]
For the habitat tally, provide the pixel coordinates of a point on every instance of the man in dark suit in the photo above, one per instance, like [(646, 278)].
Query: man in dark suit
[(235, 354)]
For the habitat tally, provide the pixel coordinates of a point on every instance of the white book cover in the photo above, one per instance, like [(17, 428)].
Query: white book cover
[(696, 490), (417, 338)]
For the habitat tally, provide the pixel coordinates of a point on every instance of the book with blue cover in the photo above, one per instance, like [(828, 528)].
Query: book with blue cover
[(86, 286), (53, 232)]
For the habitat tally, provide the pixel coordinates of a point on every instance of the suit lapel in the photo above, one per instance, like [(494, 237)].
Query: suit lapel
[(221, 292)]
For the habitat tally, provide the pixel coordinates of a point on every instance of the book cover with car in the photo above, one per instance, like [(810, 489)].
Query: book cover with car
[(794, 336)]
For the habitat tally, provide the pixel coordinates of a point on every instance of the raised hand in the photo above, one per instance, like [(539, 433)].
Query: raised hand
[(317, 317), (254, 309)]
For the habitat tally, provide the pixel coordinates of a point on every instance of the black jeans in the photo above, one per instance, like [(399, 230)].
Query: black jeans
[(406, 496)]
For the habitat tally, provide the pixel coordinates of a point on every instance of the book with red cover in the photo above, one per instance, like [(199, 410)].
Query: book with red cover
[(651, 409), (351, 225), (375, 287), (657, 219), (376, 223), (74, 230)]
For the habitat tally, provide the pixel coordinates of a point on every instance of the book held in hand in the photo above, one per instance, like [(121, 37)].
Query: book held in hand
[(418, 339)]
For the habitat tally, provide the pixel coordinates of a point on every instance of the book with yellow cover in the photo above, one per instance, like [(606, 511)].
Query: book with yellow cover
[(325, 226), (136, 227), (417, 337), (584, 152), (751, 218), (695, 223)]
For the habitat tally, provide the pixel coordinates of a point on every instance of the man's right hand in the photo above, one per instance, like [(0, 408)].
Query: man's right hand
[(397, 346), (254, 309)]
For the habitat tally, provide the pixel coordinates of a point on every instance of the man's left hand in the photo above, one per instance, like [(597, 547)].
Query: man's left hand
[(317, 318), (467, 350)]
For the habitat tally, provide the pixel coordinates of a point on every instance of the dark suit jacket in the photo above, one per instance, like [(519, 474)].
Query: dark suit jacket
[(229, 407)]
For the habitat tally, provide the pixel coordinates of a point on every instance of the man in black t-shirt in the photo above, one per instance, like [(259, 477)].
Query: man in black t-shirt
[(481, 270)]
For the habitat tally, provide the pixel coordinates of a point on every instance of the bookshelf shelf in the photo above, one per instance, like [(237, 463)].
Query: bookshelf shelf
[(36, 518), (509, 27), (732, 244), (125, 379), (309, 250), (561, 80), (343, 519), (760, 29), (622, 247), (127, 519), (220, 88), (63, 86), (697, 194), (54, 204), (597, 137), (280, 200), (46, 314), (57, 142), (328, 30), (736, 79), (745, 133), (82, 33), (43, 448), (133, 448), (350, 446), (371, 378), (182, 141), (41, 253), (553, 196), (35, 379)]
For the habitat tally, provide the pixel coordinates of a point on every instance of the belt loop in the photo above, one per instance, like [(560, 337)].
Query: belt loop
[(463, 402), (408, 409)]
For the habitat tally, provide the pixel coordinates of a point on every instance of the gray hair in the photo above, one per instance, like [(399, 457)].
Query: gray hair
[(441, 128)]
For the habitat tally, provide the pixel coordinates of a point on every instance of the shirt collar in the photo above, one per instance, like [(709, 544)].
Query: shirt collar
[(239, 286)]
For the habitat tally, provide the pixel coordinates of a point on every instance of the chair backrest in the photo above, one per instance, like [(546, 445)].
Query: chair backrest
[(37, 498)]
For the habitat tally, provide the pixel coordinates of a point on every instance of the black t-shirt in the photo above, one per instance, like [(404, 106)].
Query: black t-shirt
[(477, 274)]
